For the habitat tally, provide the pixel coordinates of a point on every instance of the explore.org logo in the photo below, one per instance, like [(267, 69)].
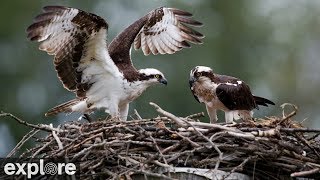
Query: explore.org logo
[(38, 168)]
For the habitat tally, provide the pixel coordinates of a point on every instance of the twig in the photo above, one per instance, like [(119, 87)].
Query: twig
[(56, 138), (177, 120), (305, 173), (197, 115), (292, 130), (38, 126), (216, 126), (194, 144), (137, 114), (240, 166), (294, 112), (211, 143), (41, 148), (23, 141), (159, 151), (307, 143)]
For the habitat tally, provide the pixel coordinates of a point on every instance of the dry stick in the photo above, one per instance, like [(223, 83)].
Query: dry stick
[(86, 140), (97, 165), (57, 138), (23, 141), (137, 114), (70, 145), (313, 137), (313, 164), (128, 177), (291, 130), (281, 129), (181, 122), (294, 112), (166, 165), (197, 115), (217, 126), (171, 148), (158, 149), (193, 144), (42, 148), (234, 134), (305, 173), (177, 120), (129, 159), (283, 165), (306, 143), (72, 126), (240, 166), (38, 126), (207, 139), (128, 170)]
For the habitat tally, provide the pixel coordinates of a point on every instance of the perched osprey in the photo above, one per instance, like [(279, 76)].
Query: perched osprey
[(103, 76), (226, 93)]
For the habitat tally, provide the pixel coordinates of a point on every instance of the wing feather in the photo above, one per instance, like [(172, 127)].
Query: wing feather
[(165, 46), (156, 43), (180, 12), (144, 45), (151, 46), (169, 26), (77, 39), (170, 43), (236, 97)]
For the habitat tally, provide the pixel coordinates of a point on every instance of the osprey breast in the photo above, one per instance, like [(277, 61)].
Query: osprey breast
[(204, 92)]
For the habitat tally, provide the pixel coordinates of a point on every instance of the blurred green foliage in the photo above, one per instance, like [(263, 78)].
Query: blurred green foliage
[(272, 45)]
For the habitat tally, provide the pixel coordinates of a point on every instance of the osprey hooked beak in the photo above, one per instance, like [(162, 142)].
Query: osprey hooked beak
[(192, 80), (163, 81)]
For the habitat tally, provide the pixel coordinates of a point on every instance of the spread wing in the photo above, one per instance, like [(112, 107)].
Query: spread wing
[(236, 96), (166, 31), (77, 40)]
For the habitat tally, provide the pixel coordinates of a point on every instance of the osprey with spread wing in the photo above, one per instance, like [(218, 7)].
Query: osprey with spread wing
[(101, 75)]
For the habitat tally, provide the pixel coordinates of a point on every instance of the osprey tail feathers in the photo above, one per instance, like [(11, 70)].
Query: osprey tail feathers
[(263, 101), (65, 107)]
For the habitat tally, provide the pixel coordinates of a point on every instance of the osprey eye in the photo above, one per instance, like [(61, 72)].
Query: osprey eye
[(157, 76), (198, 74)]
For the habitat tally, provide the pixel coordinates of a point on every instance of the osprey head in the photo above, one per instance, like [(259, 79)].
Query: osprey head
[(199, 72), (152, 76)]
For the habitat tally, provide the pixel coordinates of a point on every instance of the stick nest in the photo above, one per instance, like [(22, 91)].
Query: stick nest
[(273, 148)]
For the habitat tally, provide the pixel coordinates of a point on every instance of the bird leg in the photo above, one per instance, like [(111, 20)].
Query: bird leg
[(123, 111), (229, 116), (114, 111), (86, 117), (246, 116), (212, 112)]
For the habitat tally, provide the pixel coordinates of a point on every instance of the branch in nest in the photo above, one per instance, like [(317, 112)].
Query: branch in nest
[(38, 126), (177, 120), (116, 149), (305, 173), (54, 134), (23, 141), (197, 115), (294, 112)]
